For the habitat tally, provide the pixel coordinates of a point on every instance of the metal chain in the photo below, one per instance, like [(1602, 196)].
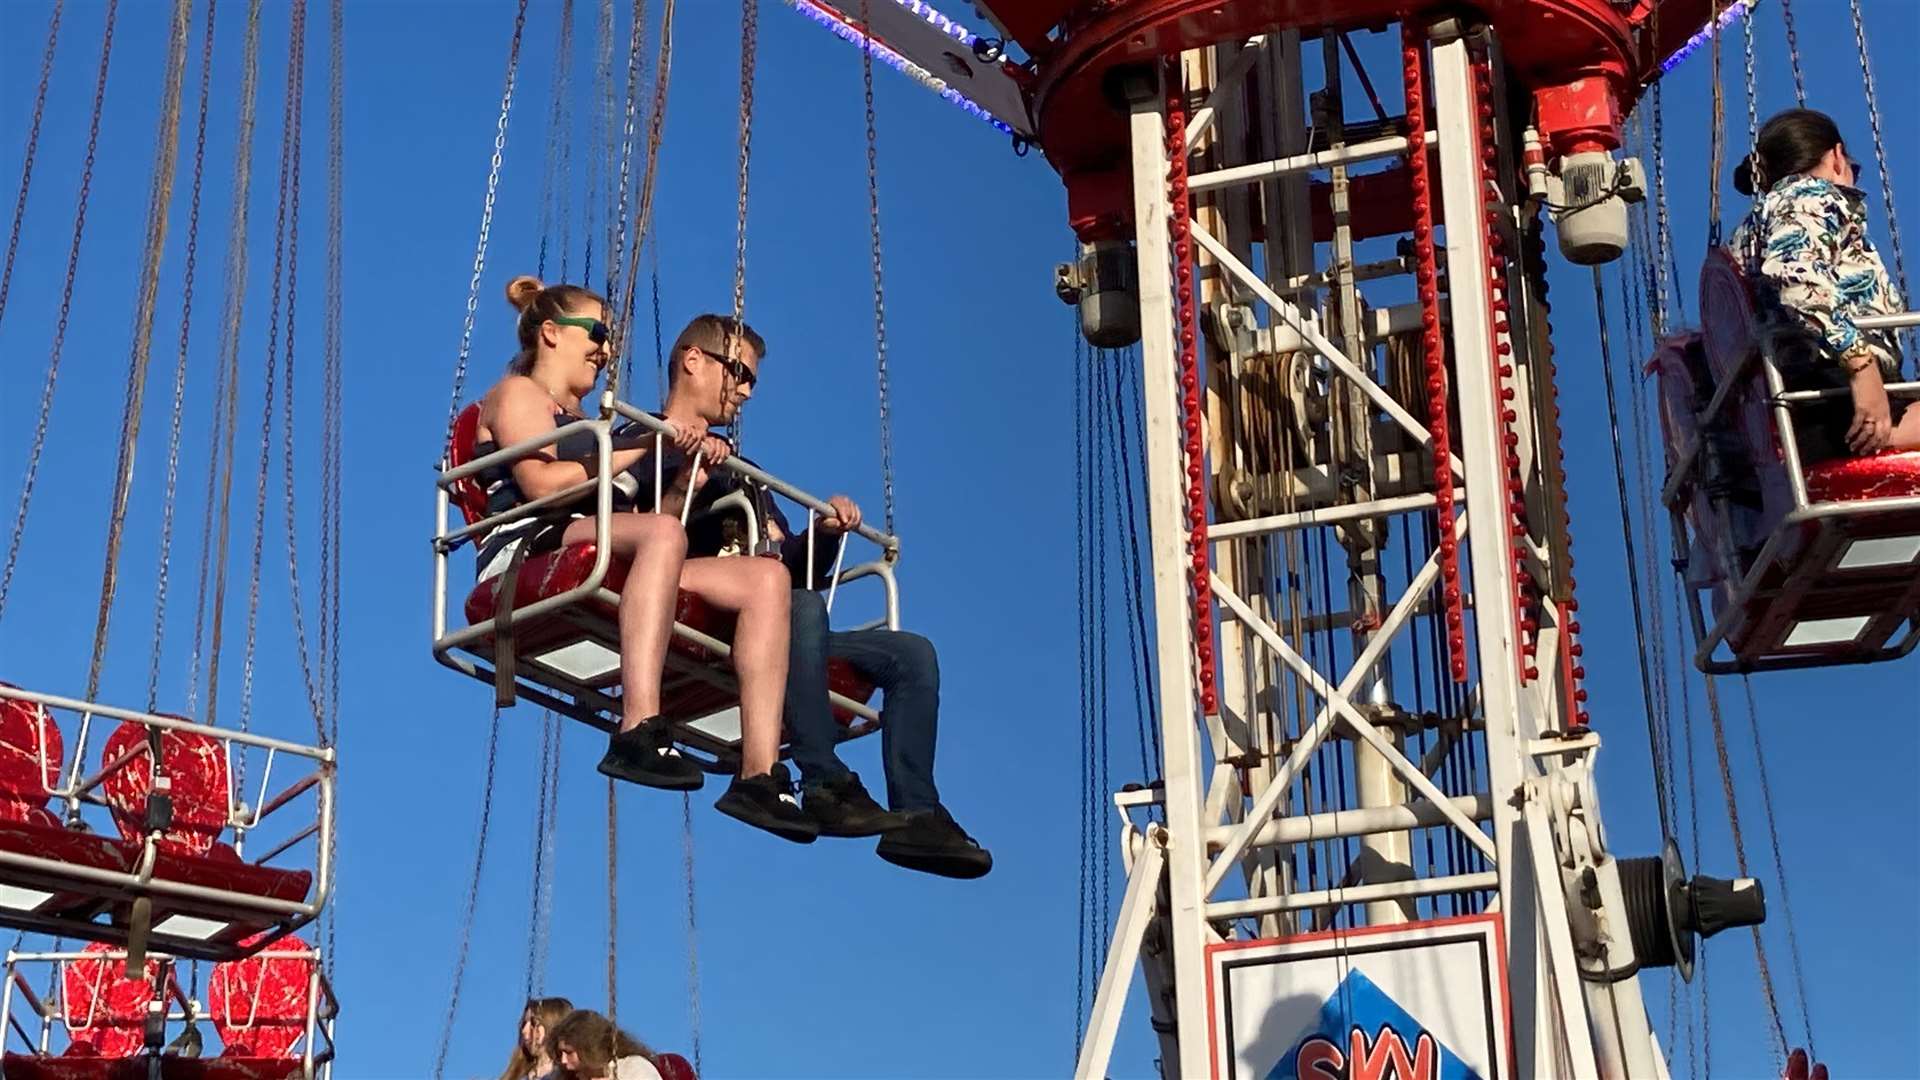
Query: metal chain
[(486, 215), (659, 345), (649, 174), (1717, 137), (1740, 860), (180, 368), (565, 124), (616, 263), (33, 145), (545, 884), (603, 189), (550, 182), (473, 898), (879, 292), (1880, 155), (60, 323), (290, 440), (333, 439), (693, 929), (1779, 867), (1752, 254), (1793, 54), (613, 903), (289, 170), (1664, 256), (536, 922), (227, 390), (749, 50), (166, 155), (1662, 784)]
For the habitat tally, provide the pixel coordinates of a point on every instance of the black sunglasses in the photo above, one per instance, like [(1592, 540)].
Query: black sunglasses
[(741, 373)]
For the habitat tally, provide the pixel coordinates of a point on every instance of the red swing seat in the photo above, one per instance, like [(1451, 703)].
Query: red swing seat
[(103, 1013), (1833, 580), (575, 648)]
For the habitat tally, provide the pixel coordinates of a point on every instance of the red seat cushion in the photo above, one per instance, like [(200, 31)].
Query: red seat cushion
[(31, 753), (73, 1066), (196, 765), (223, 868), (1888, 475), (259, 1004), (104, 1008)]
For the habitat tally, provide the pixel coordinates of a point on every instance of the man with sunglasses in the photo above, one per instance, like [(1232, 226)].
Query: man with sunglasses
[(713, 369)]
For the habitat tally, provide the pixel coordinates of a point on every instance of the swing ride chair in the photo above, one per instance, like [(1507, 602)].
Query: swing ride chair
[(272, 1014), (1837, 578), (559, 636), (133, 855)]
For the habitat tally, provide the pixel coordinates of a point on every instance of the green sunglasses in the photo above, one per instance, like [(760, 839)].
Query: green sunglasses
[(597, 331)]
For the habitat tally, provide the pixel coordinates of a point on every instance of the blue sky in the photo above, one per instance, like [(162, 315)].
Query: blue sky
[(818, 961)]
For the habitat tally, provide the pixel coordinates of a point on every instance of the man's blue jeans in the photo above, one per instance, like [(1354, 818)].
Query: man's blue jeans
[(906, 670)]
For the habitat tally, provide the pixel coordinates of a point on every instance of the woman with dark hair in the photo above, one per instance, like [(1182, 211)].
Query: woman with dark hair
[(588, 1046), (531, 1059), (1816, 271)]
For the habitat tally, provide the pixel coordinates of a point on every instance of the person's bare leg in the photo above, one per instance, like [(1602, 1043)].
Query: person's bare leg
[(760, 591), (656, 547)]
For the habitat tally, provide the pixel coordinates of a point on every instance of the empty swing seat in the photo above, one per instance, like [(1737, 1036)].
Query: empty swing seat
[(190, 851), (1832, 579), (104, 1015), (260, 1007), (575, 648), (39, 855)]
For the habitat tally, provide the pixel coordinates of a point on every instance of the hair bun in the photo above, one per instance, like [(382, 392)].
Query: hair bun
[(523, 290), (1744, 178)]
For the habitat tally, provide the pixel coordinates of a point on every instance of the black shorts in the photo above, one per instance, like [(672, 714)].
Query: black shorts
[(1820, 427)]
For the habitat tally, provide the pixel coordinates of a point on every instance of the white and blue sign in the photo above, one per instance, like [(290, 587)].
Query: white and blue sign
[(1424, 1001)]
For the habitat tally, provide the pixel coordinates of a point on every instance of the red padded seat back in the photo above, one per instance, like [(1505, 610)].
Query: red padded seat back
[(674, 1067), (259, 1004), (467, 494), (30, 756), (106, 1011), (196, 764)]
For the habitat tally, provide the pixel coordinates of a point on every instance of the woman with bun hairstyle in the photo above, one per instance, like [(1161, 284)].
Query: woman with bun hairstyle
[(1815, 272), (563, 336)]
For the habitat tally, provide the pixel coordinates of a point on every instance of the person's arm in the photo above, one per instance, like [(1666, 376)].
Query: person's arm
[(1803, 260), (690, 478), (521, 411), (826, 543)]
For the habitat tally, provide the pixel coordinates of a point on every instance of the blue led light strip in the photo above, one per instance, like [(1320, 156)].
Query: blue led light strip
[(1705, 34), (851, 34)]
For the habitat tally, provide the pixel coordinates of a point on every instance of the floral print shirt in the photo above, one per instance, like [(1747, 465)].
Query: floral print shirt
[(1819, 271)]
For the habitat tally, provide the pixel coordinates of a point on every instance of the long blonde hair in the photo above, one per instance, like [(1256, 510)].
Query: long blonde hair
[(547, 1012)]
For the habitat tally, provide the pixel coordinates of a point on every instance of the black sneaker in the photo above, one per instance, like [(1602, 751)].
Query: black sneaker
[(933, 843), (767, 802), (646, 756), (842, 807)]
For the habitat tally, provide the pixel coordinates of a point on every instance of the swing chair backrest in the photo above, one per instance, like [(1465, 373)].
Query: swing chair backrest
[(196, 766), (259, 1005), (31, 753), (467, 494), (104, 1011)]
